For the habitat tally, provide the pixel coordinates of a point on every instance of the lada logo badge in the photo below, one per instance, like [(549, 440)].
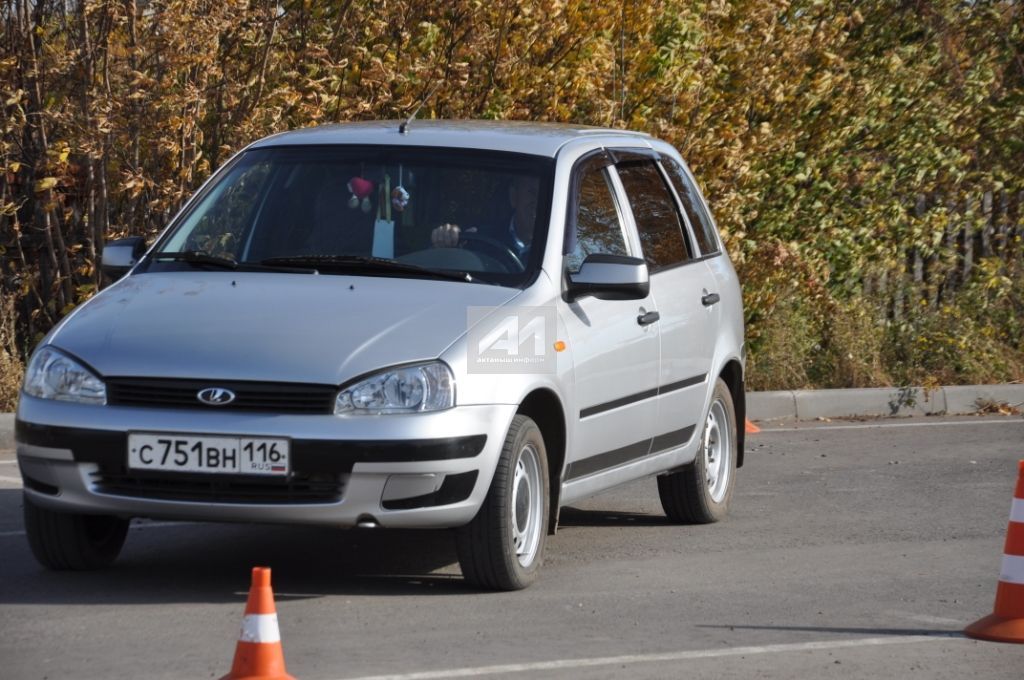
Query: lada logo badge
[(216, 396)]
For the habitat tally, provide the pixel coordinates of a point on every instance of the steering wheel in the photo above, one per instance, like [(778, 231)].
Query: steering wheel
[(498, 250)]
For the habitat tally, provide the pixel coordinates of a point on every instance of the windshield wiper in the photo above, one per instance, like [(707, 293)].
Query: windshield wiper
[(201, 258), (197, 257), (363, 263)]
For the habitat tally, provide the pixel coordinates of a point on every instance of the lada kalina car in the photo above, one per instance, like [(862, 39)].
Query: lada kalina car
[(440, 325)]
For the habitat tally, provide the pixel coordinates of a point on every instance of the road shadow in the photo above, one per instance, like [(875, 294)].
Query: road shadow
[(200, 562), (208, 562), (574, 517)]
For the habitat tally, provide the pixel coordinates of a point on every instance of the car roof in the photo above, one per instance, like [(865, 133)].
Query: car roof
[(540, 139)]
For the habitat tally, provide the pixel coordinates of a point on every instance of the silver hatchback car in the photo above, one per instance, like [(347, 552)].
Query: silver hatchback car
[(447, 324)]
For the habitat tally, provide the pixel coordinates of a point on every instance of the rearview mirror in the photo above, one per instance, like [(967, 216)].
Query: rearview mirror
[(121, 255), (609, 277)]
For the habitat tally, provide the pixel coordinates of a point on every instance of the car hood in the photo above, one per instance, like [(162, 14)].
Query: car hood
[(268, 326)]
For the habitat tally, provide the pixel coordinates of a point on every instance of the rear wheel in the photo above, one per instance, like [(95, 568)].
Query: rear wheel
[(503, 547), (68, 541), (700, 493)]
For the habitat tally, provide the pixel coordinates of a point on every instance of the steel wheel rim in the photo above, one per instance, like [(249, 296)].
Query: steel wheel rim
[(527, 505), (717, 450)]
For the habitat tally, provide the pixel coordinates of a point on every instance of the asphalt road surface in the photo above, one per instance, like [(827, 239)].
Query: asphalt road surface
[(854, 550)]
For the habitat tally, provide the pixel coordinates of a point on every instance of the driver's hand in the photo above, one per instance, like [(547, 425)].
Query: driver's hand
[(445, 236)]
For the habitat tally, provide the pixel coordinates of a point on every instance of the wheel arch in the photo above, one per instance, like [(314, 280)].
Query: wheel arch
[(545, 408), (732, 374)]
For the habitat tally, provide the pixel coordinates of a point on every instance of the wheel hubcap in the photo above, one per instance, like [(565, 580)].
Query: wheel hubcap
[(527, 505), (717, 450)]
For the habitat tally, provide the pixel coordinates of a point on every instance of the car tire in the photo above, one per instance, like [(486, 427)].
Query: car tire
[(73, 542), (502, 548), (701, 492)]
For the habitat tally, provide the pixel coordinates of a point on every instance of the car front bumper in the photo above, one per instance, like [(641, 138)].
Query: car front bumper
[(429, 470)]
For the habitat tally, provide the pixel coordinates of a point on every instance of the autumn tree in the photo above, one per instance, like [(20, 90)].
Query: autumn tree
[(862, 157)]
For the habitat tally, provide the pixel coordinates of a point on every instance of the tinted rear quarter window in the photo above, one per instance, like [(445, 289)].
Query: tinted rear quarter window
[(703, 229)]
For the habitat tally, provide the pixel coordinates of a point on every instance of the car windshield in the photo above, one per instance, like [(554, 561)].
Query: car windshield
[(387, 211)]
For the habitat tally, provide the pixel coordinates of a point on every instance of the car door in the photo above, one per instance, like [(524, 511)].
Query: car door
[(684, 291), (615, 357), (704, 233)]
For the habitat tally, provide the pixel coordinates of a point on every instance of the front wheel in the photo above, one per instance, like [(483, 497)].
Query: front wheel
[(700, 492), (67, 541), (503, 546)]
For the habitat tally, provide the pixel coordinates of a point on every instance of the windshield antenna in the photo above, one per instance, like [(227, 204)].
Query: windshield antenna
[(403, 127)]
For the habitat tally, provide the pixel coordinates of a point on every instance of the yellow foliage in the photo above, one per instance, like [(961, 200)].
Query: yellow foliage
[(812, 127)]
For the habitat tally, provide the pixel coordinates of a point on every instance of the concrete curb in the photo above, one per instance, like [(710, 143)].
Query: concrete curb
[(880, 401), (6, 430), (811, 404)]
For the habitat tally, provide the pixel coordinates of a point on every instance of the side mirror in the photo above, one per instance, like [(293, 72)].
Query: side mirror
[(121, 255), (609, 277)]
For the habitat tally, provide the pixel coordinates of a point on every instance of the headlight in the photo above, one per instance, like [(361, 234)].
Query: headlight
[(406, 389), (54, 375)]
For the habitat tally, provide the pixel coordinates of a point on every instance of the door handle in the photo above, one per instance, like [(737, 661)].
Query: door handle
[(709, 299), (648, 318)]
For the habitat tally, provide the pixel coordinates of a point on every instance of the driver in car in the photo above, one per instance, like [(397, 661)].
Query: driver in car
[(516, 231)]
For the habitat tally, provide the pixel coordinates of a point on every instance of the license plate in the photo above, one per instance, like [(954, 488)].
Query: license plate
[(212, 454)]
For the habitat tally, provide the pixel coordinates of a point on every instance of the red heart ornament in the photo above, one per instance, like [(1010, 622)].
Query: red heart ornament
[(360, 187)]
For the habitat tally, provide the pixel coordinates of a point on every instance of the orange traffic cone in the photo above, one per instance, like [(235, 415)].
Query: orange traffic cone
[(750, 428), (258, 655), (1006, 622)]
